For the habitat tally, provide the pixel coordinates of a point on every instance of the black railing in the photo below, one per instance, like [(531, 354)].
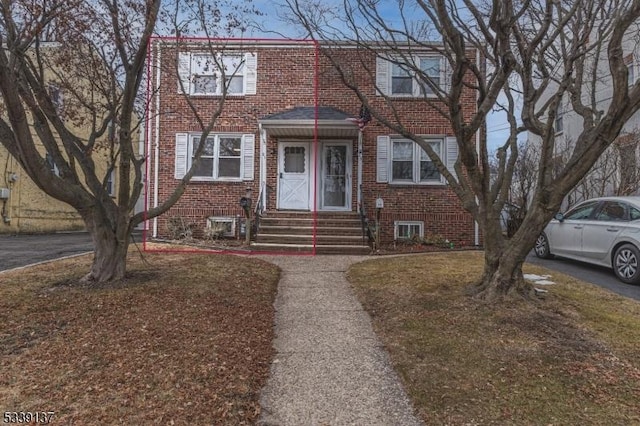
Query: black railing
[(366, 231)]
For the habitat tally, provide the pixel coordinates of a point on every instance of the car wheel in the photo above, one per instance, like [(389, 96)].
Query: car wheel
[(625, 264), (542, 247)]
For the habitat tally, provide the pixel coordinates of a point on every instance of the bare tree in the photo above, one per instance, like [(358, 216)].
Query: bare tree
[(94, 52), (555, 50)]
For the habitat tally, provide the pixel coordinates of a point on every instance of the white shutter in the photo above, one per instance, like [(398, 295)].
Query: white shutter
[(452, 154), (248, 154), (445, 74), (184, 72), (182, 154), (250, 73), (383, 71), (382, 164)]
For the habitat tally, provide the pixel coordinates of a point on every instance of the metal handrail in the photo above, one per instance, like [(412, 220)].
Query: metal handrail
[(366, 231)]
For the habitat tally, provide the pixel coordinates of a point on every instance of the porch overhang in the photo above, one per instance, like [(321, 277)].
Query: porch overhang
[(302, 122)]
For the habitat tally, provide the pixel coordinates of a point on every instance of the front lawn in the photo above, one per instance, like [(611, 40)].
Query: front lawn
[(184, 339), (571, 359)]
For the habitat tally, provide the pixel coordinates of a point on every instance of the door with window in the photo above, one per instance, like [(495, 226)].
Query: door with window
[(294, 175), (335, 178)]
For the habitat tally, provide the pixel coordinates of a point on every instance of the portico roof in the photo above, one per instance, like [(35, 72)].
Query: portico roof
[(301, 121)]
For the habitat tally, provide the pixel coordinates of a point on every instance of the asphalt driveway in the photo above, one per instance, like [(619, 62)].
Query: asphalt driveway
[(22, 250), (597, 275)]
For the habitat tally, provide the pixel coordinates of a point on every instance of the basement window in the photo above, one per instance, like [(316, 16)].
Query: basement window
[(221, 226), (406, 230)]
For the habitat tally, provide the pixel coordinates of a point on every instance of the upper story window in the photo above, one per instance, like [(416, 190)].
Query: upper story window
[(206, 74), (402, 79), (55, 94), (51, 164), (631, 75), (558, 124)]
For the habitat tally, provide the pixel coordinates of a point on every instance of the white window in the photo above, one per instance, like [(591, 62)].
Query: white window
[(221, 227), (629, 61), (406, 230), (221, 156), (401, 161), (205, 74), (55, 94), (111, 187), (51, 164), (224, 157), (411, 164), (398, 77), (558, 125)]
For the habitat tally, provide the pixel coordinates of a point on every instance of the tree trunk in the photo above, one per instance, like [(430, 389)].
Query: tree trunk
[(502, 277), (111, 244), (503, 259)]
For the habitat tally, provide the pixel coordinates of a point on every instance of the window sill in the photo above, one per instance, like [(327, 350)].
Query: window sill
[(212, 180), (209, 96), (418, 185)]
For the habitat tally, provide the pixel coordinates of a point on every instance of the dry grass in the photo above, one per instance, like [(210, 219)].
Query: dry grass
[(185, 339), (568, 360)]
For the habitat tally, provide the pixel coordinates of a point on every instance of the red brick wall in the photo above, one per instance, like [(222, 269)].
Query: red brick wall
[(286, 77)]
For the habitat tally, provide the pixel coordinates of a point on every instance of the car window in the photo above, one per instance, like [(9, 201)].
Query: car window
[(582, 211), (612, 211), (634, 214)]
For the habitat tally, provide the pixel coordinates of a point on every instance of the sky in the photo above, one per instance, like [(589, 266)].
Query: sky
[(272, 24)]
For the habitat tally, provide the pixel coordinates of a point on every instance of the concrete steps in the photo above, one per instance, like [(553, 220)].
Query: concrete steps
[(293, 232)]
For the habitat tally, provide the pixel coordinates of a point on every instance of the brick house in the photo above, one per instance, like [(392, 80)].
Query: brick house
[(288, 133)]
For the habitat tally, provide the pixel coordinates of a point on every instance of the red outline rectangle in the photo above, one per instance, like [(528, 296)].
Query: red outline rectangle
[(148, 143)]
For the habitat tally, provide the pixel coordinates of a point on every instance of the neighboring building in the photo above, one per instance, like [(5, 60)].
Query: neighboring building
[(616, 172), (24, 207), (289, 134)]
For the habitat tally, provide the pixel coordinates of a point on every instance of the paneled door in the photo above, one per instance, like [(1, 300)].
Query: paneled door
[(294, 175)]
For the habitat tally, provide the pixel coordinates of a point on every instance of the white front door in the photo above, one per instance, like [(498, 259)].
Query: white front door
[(335, 179), (294, 175)]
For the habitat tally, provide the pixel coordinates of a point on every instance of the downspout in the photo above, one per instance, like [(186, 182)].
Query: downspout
[(156, 142), (475, 222), (263, 164)]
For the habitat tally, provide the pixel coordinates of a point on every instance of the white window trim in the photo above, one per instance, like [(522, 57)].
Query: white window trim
[(216, 157), (223, 219), (398, 223), (247, 60), (416, 83), (559, 119), (416, 162), (51, 164), (112, 176)]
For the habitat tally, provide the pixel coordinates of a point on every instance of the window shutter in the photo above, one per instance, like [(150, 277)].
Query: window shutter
[(251, 73), (248, 153), (184, 72), (452, 154), (383, 70), (382, 174), (182, 153)]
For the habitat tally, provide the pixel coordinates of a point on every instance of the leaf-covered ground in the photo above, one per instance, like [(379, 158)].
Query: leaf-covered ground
[(184, 339), (571, 359)]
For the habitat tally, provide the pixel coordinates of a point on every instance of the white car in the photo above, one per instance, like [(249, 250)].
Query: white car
[(603, 231)]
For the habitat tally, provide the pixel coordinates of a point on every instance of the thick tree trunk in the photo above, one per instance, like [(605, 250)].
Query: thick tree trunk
[(503, 259), (502, 277), (111, 243)]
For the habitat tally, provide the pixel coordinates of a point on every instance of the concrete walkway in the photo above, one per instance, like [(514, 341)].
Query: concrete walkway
[(330, 368)]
